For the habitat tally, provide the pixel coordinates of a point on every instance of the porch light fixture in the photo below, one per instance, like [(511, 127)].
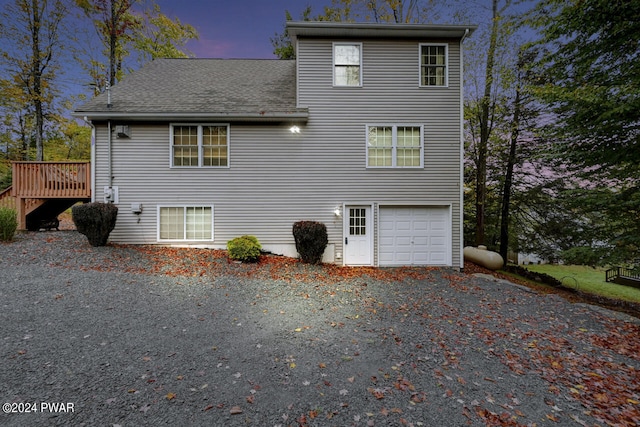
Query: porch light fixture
[(336, 211), (294, 129)]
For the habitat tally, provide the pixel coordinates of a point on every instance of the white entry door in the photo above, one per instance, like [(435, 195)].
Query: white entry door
[(358, 232)]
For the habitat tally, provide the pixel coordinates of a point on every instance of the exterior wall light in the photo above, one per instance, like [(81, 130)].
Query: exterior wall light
[(294, 129), (336, 211)]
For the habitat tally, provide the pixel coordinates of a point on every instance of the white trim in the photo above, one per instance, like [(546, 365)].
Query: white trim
[(446, 65), (184, 206), (333, 62), (93, 161), (461, 148), (394, 145), (200, 149), (370, 227)]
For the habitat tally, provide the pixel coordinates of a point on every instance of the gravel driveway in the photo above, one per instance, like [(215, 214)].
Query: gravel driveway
[(147, 336)]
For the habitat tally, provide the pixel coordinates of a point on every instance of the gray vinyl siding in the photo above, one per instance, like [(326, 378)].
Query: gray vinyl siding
[(276, 178), (390, 94), (261, 193)]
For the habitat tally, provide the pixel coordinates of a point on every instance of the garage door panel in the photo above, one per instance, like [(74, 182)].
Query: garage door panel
[(437, 241), (414, 236), (421, 241), (438, 226), (403, 225), (421, 226)]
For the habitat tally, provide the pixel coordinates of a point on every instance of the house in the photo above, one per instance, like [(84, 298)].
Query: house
[(362, 132)]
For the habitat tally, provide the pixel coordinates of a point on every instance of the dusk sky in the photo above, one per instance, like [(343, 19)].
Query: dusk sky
[(236, 28)]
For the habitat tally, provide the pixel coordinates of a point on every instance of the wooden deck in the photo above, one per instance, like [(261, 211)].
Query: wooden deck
[(624, 276), (42, 190)]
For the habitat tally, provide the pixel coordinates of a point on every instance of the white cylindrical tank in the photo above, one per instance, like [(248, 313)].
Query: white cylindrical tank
[(483, 257)]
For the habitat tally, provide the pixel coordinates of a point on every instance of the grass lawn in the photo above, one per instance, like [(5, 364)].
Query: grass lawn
[(587, 279)]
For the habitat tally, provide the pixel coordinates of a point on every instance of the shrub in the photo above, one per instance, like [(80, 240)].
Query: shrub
[(582, 255), (311, 240), (8, 223), (95, 220), (244, 248)]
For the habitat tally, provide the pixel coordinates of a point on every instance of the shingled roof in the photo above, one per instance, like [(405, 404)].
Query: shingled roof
[(230, 89)]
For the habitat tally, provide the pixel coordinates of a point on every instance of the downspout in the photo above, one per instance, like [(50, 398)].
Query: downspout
[(109, 154), (464, 36), (110, 197), (461, 222), (93, 158)]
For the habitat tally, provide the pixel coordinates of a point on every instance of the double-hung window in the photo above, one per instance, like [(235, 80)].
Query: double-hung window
[(199, 145), (182, 223), (433, 65), (395, 146), (347, 64)]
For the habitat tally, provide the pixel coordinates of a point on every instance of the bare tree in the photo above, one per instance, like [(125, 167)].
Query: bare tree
[(30, 54)]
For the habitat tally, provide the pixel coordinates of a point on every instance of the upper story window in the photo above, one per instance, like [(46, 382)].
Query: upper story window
[(199, 145), (395, 146), (347, 64), (433, 65)]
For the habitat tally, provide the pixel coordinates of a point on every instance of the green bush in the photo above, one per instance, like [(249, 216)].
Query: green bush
[(95, 220), (582, 255), (8, 224), (244, 248), (311, 240)]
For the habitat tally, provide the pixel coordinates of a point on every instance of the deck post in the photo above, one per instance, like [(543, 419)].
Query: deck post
[(21, 211)]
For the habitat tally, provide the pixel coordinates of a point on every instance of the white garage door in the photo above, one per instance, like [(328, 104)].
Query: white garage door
[(414, 236)]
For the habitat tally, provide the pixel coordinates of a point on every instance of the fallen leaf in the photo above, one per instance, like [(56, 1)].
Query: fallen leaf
[(552, 417), (171, 396), (235, 410)]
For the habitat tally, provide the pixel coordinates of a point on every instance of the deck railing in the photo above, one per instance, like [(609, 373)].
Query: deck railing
[(616, 272), (6, 199), (45, 180)]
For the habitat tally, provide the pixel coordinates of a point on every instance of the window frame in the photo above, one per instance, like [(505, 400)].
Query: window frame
[(334, 65), (200, 138), (184, 232), (446, 64), (394, 145)]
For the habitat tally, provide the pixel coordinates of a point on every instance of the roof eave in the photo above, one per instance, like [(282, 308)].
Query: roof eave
[(300, 116), (298, 29)]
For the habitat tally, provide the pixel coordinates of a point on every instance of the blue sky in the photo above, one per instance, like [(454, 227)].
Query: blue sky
[(236, 28)]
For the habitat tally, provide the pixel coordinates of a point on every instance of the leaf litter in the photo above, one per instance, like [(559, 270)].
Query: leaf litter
[(429, 343)]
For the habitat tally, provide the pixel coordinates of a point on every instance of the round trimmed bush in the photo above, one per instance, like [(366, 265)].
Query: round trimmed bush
[(244, 248), (95, 220), (311, 240)]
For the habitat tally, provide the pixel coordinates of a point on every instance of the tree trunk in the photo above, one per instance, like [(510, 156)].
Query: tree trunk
[(485, 131), (113, 38), (36, 75), (508, 180)]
